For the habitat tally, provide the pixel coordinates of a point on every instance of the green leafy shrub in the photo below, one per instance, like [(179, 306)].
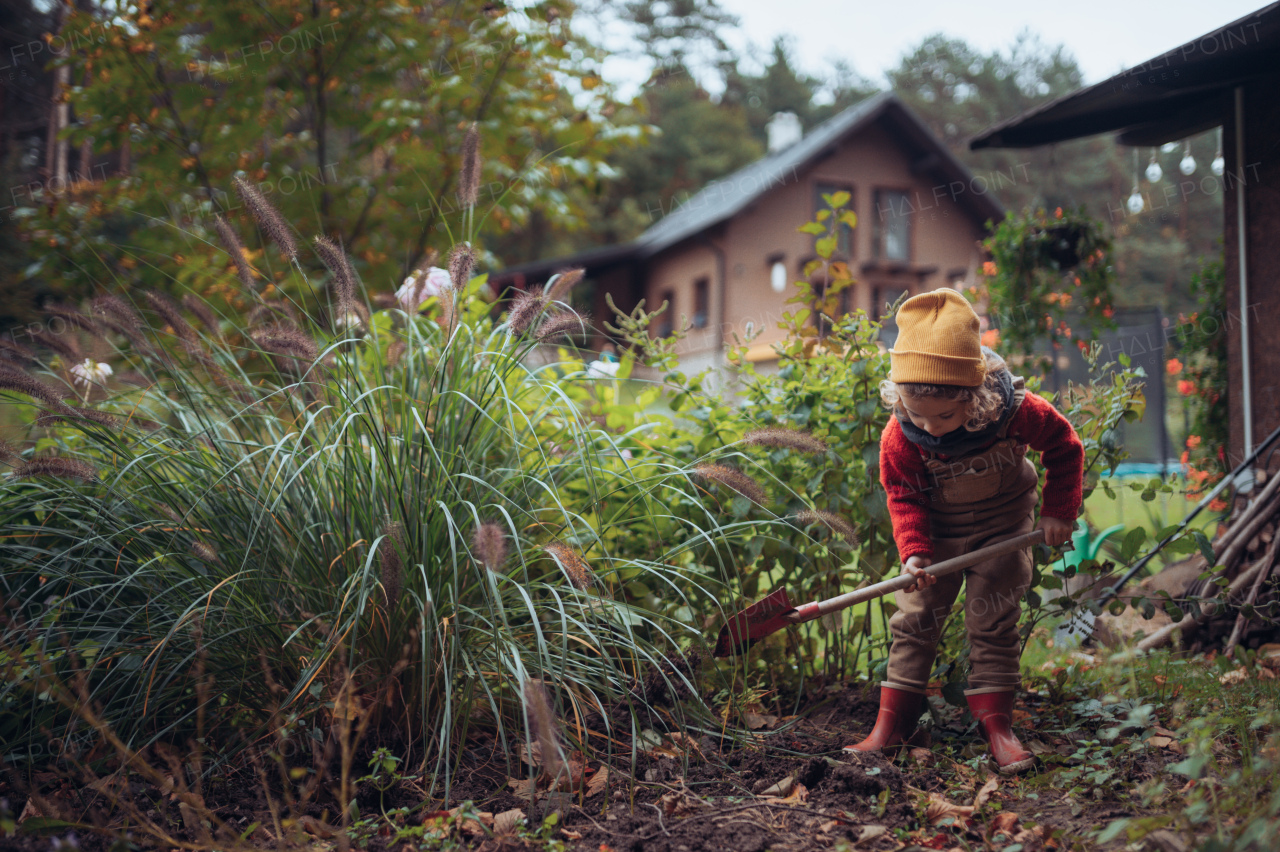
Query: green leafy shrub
[(827, 383), (318, 513), (1043, 271)]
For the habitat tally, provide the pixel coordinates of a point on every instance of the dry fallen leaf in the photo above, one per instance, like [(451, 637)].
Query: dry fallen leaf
[(756, 721), (921, 755), (871, 832), (678, 804), (31, 811), (570, 834), (506, 822), (799, 795), (993, 784), (521, 787), (313, 826), (1171, 743), (599, 782), (939, 809), (1233, 677), (782, 788), (1004, 823)]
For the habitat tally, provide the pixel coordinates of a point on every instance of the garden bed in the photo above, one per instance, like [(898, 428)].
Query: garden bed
[(792, 789)]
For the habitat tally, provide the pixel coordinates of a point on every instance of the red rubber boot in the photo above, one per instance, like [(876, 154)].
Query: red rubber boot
[(899, 712), (994, 712)]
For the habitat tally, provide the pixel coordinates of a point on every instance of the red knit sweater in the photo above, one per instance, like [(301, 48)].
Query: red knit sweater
[(1037, 423)]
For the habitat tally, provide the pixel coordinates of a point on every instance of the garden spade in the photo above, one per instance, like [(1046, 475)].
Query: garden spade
[(775, 612)]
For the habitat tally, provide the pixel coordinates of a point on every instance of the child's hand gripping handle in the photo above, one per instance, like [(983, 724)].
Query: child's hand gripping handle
[(810, 611)]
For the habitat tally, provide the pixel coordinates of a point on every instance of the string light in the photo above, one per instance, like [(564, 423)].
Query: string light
[(1188, 164), (1154, 172), (1135, 202), (1219, 165)]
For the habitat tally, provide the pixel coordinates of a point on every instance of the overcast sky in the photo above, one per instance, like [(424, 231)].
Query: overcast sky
[(1105, 36)]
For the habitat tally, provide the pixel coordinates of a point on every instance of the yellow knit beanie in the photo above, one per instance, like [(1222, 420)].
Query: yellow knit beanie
[(938, 342)]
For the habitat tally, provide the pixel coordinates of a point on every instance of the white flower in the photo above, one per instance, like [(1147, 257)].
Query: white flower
[(420, 286), (603, 369), (90, 371), (350, 319)]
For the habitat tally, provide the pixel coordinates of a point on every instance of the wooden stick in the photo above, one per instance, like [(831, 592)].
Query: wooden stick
[(1164, 634), (1237, 549), (1241, 620), (1238, 536), (810, 611)]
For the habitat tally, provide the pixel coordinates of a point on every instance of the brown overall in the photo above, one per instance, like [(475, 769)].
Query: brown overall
[(978, 499)]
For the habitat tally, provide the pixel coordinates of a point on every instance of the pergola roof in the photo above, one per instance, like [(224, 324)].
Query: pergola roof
[(1168, 97)]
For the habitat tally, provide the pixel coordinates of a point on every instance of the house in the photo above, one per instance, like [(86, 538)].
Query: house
[(727, 256), (1227, 78)]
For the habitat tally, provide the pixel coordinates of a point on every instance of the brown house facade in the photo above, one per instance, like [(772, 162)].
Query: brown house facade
[(727, 258), (1227, 78)]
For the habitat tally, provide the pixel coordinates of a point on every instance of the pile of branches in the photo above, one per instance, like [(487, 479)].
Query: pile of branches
[(1238, 602)]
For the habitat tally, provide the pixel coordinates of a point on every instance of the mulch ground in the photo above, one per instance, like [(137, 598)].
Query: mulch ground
[(793, 789)]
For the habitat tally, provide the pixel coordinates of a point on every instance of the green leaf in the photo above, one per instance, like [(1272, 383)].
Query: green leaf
[(1206, 547), (812, 228), (837, 199), (953, 693), (45, 825), (1132, 542), (826, 246)]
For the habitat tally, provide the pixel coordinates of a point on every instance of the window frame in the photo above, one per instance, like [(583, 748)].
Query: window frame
[(879, 231), (701, 302)]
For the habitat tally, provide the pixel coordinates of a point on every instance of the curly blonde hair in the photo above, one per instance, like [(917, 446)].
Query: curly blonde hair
[(985, 403)]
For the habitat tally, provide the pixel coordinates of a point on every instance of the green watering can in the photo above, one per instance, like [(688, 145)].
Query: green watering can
[(1071, 632)]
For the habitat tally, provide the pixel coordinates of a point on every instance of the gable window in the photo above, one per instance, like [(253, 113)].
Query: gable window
[(893, 225), (844, 234), (701, 302), (666, 323)]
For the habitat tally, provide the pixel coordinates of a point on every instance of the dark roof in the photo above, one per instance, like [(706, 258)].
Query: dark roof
[(724, 198), (1171, 96)]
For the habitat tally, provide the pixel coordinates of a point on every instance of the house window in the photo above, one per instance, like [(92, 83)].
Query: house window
[(666, 322), (884, 297), (777, 272), (893, 225), (701, 302), (844, 234)]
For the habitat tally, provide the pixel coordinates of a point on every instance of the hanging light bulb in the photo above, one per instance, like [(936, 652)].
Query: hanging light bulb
[(1188, 164), (1154, 172), (1135, 201), (1219, 165)]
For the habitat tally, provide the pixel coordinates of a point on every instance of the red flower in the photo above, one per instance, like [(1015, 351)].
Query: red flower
[(1173, 366), (1057, 214), (1193, 441), (1186, 388)]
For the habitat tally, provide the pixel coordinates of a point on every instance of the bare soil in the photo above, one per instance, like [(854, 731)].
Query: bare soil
[(711, 795)]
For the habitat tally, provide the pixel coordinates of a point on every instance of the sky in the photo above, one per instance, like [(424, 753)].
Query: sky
[(1105, 36)]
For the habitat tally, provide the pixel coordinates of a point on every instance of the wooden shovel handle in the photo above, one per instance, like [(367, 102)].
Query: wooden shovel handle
[(810, 611)]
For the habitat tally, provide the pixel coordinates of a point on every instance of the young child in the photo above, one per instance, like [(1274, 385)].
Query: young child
[(953, 464)]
